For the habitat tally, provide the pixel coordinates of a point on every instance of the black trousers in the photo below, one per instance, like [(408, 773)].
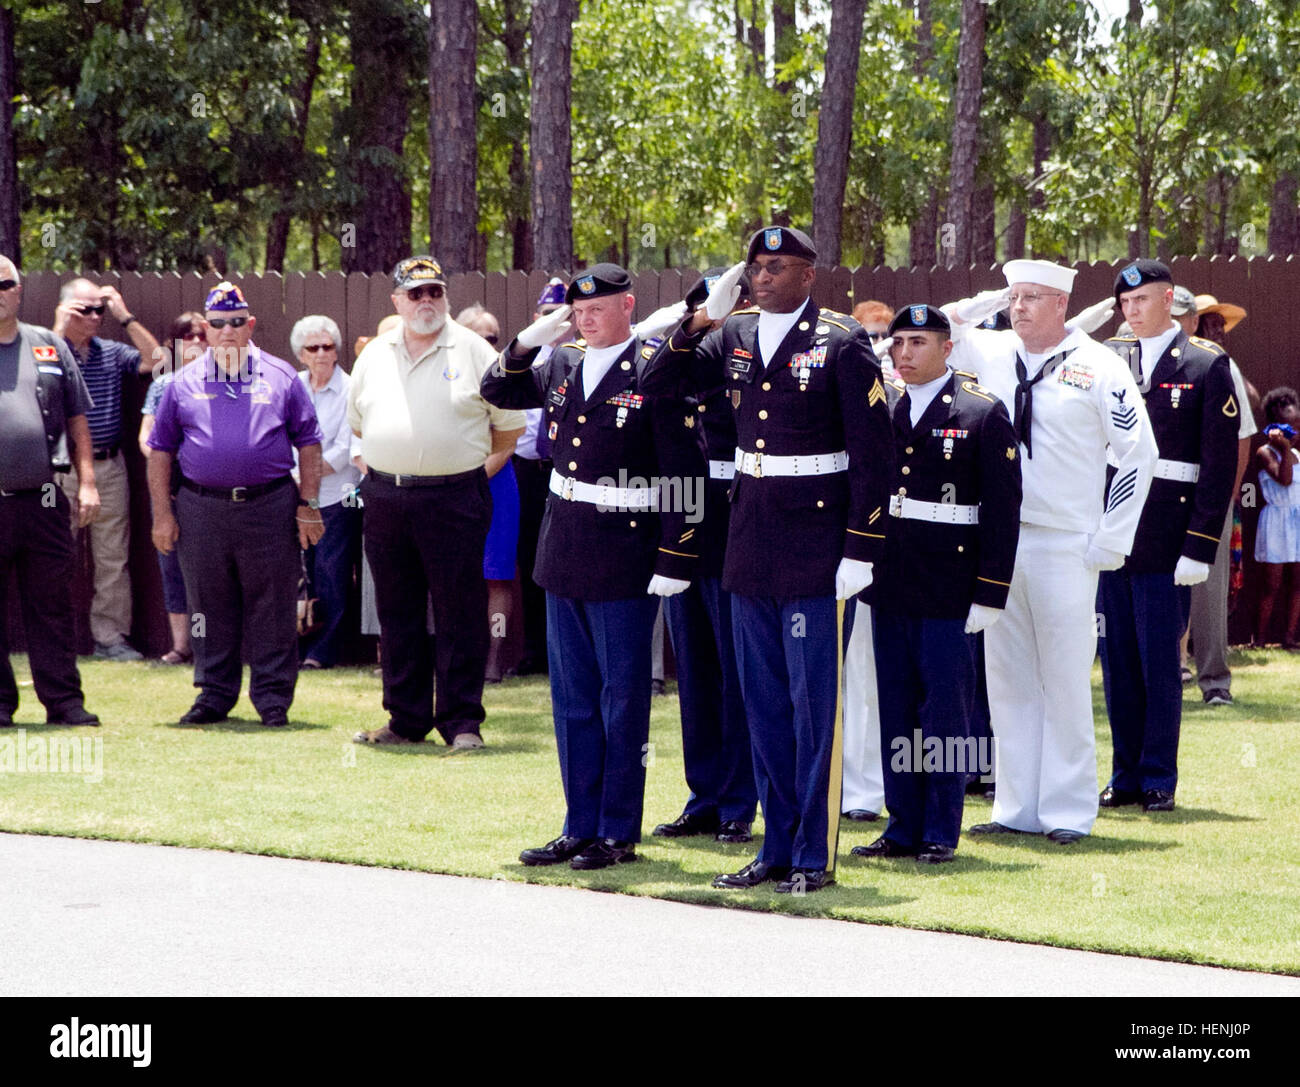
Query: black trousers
[(36, 544), (426, 543), (534, 479), (241, 567)]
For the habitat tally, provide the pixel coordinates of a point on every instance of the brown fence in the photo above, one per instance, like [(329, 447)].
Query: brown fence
[(1269, 289)]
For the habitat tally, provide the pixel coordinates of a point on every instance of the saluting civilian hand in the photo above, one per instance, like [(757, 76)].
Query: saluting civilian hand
[(1092, 318), (661, 321), (971, 311), (165, 532), (1101, 558), (724, 292), (980, 617), (666, 586), (851, 578), (113, 299), (546, 328), (1190, 572)]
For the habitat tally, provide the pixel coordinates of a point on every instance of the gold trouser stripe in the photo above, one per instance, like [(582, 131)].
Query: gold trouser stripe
[(836, 789)]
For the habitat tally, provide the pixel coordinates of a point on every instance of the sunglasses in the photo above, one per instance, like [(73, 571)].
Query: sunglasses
[(315, 347), (492, 339), (874, 336), (429, 290), (772, 267), (221, 322), (87, 311), (8, 284), (193, 335)]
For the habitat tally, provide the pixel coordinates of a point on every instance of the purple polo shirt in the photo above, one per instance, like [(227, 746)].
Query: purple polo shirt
[(230, 432)]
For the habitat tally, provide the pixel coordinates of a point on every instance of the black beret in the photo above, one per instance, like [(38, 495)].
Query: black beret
[(1138, 272), (597, 280), (781, 239), (700, 289), (920, 318)]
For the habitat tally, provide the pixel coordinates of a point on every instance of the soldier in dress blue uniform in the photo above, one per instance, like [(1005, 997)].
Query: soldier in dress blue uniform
[(715, 735), (813, 455), (612, 542), (1187, 386), (949, 553)]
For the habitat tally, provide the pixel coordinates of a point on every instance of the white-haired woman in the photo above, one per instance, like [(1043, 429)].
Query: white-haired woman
[(332, 563)]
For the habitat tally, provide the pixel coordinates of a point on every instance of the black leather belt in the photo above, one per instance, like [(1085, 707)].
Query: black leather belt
[(108, 452), (23, 493), (424, 481), (237, 494)]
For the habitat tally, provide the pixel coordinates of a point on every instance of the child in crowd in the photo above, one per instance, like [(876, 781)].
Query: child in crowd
[(1277, 541)]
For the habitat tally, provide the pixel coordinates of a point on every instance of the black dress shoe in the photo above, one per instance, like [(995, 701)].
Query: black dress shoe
[(1157, 800), (803, 880), (275, 719), (734, 830), (687, 825), (556, 851), (1118, 798), (861, 815), (1061, 836), (995, 828), (754, 873), (71, 715), (604, 853), (199, 714), (933, 853), (882, 847), (6, 719)]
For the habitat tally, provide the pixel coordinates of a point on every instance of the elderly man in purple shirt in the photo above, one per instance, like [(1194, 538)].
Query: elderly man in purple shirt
[(233, 419)]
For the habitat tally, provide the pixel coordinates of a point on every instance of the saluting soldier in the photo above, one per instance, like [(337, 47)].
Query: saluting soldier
[(614, 538), (715, 735), (1187, 385), (949, 553), (813, 454)]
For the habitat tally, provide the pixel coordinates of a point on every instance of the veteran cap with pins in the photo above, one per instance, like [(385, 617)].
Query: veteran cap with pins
[(1140, 272), (415, 271), (552, 294), (781, 240), (223, 297), (920, 317), (599, 279)]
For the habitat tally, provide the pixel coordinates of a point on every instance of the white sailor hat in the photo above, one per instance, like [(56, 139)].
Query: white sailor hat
[(1042, 272)]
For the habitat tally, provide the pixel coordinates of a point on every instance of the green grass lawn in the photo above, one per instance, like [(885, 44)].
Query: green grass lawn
[(1215, 881)]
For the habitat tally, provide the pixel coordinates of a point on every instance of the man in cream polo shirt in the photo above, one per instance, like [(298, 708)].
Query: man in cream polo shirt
[(425, 432)]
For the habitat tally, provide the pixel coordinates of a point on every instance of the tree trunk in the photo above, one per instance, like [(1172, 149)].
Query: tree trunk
[(784, 32), (984, 242), (835, 127), (1284, 216), (381, 218), (514, 36), (551, 143), (965, 130), (277, 231), (922, 230), (453, 134), (10, 201)]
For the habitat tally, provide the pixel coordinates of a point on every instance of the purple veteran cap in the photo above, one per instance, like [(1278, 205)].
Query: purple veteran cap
[(552, 294), (225, 296)]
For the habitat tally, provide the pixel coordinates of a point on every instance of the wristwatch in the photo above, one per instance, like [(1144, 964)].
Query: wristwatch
[(313, 503), (126, 320)]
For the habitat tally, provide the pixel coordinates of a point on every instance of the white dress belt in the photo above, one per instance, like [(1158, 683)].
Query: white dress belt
[(722, 469), (614, 498), (1180, 471), (759, 465), (941, 513)]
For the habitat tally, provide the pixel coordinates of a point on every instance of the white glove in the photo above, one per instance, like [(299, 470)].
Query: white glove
[(661, 321), (851, 578), (981, 618), (971, 311), (724, 292), (881, 348), (546, 328), (666, 586), (1092, 318), (1101, 558), (1190, 572)]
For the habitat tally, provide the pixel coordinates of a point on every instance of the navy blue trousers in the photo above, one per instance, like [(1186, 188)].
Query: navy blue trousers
[(788, 658), (715, 733), (925, 672), (332, 566), (600, 696), (1145, 615)]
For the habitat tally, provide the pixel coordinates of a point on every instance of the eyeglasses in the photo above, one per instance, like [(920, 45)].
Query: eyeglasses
[(193, 334), (8, 284), (429, 290), (492, 339), (315, 347), (221, 322), (772, 268), (88, 310), (1030, 299)]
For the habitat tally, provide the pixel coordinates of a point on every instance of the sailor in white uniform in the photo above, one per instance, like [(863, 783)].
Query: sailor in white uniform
[(1071, 405)]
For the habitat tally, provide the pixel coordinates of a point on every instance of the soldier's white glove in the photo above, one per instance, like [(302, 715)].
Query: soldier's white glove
[(666, 586), (1092, 318), (881, 348), (661, 321), (1101, 558), (546, 328), (1190, 572), (851, 578), (972, 311), (981, 617), (724, 292)]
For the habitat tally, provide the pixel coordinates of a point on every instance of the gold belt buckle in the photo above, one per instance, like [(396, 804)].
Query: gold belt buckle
[(758, 465), (567, 492)]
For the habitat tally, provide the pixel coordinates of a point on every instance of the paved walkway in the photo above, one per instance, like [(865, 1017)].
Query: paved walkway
[(88, 918)]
